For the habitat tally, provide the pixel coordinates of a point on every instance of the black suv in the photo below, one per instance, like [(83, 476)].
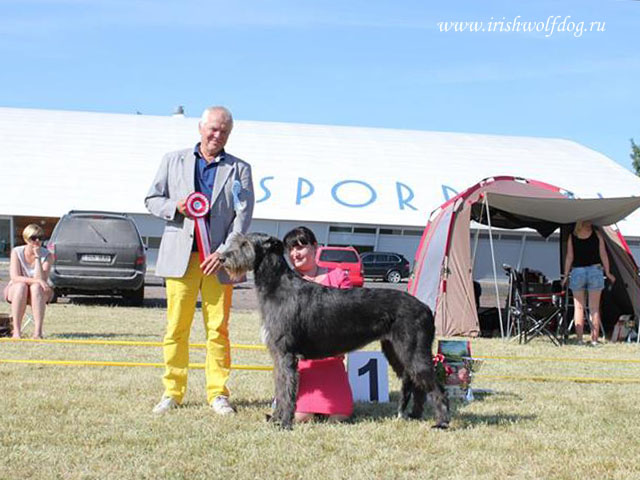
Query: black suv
[(96, 253), (391, 267)]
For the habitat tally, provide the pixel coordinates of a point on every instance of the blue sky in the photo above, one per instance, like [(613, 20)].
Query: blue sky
[(344, 62)]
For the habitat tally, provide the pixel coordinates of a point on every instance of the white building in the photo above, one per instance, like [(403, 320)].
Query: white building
[(368, 187)]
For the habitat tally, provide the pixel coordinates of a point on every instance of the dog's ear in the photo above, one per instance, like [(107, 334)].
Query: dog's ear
[(276, 246)]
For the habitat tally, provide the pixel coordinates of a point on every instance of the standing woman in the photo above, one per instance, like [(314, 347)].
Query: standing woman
[(29, 271), (323, 385), (586, 257)]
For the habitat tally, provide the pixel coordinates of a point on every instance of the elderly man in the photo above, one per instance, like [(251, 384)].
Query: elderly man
[(226, 181)]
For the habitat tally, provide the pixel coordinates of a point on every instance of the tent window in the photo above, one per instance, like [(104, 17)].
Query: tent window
[(153, 242)]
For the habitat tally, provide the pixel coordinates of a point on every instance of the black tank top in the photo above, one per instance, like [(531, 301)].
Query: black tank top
[(586, 251)]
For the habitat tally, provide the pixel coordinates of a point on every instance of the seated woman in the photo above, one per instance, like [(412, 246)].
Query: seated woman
[(29, 271), (323, 386), (588, 263)]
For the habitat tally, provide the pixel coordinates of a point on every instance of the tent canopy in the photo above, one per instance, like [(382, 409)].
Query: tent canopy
[(547, 214)]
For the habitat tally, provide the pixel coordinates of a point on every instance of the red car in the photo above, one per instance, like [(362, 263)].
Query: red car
[(346, 258)]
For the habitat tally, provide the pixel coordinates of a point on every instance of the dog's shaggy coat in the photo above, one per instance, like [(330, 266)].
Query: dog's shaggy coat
[(304, 319)]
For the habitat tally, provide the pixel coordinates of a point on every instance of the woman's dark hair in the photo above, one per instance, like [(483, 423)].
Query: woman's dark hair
[(299, 236)]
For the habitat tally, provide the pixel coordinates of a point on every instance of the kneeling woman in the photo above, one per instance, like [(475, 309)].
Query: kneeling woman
[(29, 270), (323, 386)]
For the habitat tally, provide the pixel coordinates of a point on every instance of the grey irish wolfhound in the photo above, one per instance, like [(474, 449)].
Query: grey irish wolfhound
[(305, 320)]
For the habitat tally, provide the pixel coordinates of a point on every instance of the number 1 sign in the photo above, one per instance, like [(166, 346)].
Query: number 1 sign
[(368, 376)]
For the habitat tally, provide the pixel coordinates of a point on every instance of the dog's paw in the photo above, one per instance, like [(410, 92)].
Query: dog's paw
[(441, 426), (286, 425)]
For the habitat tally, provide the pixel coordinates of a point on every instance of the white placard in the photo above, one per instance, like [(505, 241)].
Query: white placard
[(368, 376)]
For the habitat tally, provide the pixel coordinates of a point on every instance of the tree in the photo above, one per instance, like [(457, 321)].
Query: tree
[(635, 157)]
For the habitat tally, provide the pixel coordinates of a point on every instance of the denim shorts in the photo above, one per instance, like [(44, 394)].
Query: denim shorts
[(587, 278)]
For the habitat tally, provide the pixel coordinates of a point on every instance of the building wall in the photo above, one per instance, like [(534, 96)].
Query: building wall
[(365, 238), (516, 248)]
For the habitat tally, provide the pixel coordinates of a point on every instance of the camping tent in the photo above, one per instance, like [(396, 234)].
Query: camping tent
[(443, 264)]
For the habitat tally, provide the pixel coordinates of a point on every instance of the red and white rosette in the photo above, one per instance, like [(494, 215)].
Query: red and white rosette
[(197, 207)]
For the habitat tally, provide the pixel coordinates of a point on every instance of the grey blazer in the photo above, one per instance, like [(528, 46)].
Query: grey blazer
[(232, 203)]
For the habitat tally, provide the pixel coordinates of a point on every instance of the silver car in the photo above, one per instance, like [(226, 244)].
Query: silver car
[(98, 253)]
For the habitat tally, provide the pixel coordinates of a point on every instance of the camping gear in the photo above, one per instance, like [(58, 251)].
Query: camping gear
[(443, 264)]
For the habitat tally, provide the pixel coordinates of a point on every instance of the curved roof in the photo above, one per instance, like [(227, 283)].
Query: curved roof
[(55, 161)]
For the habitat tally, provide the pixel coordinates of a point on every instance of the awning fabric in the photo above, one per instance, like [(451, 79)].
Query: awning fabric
[(547, 214)]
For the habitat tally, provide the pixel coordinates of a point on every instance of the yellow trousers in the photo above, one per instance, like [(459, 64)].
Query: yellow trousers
[(182, 296)]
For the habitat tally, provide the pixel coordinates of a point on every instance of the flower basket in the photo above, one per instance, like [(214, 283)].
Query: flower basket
[(456, 376)]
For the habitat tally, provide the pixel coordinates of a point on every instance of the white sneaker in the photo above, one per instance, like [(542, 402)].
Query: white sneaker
[(166, 404), (221, 405)]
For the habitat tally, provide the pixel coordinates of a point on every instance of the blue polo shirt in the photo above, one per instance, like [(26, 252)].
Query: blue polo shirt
[(205, 173), (204, 176)]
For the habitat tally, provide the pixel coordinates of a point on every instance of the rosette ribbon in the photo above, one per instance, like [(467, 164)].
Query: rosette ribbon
[(197, 207)]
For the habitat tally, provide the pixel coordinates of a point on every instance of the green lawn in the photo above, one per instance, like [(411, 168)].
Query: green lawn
[(75, 422)]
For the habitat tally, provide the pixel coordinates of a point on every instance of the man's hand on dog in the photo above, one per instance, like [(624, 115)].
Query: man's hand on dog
[(211, 264)]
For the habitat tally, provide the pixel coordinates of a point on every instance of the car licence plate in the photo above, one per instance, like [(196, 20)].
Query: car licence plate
[(96, 258)]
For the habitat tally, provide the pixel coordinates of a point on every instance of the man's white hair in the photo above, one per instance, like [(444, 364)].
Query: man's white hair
[(207, 111)]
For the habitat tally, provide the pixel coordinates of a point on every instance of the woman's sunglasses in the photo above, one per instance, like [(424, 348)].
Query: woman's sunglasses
[(34, 238)]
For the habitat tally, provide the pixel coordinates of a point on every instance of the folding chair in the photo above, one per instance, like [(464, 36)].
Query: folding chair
[(534, 308)]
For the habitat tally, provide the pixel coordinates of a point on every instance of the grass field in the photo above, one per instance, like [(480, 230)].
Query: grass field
[(77, 422)]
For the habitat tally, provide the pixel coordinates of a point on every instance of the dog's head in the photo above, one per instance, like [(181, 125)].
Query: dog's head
[(247, 252)]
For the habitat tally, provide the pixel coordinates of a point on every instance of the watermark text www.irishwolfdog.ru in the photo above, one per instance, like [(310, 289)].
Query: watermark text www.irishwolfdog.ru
[(552, 24)]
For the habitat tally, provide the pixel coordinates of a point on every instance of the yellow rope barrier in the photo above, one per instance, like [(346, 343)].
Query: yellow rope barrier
[(121, 343), (240, 346), (560, 359), (559, 379), (268, 368), (124, 364)]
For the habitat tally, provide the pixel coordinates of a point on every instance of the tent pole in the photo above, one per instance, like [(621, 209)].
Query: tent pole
[(493, 263), (475, 248)]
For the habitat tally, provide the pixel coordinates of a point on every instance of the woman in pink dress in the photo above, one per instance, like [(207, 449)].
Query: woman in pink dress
[(323, 385)]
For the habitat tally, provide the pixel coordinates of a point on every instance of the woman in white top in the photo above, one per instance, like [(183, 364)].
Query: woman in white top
[(29, 269)]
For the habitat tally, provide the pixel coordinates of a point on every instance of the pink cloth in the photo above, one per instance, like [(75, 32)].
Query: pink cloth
[(323, 385)]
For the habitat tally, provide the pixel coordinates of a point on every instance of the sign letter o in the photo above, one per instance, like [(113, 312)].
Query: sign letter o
[(337, 186)]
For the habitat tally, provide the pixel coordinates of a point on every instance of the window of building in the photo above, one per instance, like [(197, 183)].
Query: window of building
[(340, 229), (371, 231)]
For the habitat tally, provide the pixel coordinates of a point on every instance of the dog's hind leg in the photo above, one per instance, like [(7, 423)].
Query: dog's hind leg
[(398, 368), (286, 379), (408, 389)]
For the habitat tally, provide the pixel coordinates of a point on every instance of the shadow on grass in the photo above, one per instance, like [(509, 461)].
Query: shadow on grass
[(483, 395), (117, 302), (366, 412), (467, 419)]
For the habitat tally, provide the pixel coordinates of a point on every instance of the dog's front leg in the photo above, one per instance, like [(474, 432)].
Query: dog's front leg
[(286, 378)]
